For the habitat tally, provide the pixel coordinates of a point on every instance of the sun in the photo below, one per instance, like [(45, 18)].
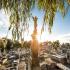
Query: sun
[(41, 38), (45, 37)]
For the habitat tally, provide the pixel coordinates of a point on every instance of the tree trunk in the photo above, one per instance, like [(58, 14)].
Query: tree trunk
[(35, 53), (35, 59), (34, 47)]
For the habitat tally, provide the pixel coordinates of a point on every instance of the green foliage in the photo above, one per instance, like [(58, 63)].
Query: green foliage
[(1, 44), (16, 44), (10, 44), (56, 45), (50, 7), (26, 44), (20, 12)]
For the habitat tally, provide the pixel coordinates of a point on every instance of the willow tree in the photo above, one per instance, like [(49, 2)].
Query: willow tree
[(20, 10), (19, 14), (50, 7)]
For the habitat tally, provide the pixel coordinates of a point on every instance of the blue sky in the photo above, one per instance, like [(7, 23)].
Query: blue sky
[(60, 29)]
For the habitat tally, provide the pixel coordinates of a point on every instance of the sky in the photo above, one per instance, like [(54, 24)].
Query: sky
[(60, 29)]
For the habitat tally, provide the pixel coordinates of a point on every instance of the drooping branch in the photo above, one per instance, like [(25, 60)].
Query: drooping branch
[(21, 9)]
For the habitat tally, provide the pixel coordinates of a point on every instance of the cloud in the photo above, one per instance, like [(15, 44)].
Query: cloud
[(4, 19), (4, 24), (64, 38)]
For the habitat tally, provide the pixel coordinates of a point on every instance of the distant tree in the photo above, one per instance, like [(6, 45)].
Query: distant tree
[(56, 45), (65, 47), (1, 45), (16, 44)]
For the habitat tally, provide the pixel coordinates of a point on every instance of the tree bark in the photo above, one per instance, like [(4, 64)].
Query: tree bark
[(35, 45)]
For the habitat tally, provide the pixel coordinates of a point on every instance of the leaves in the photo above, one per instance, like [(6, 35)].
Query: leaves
[(50, 7), (68, 2), (20, 11)]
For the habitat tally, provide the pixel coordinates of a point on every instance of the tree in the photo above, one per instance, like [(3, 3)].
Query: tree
[(1, 45), (56, 45), (20, 11), (50, 7), (35, 44)]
